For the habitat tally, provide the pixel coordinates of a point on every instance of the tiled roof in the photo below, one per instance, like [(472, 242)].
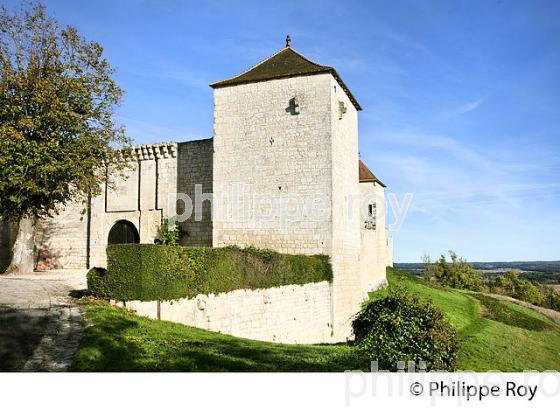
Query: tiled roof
[(366, 175), (283, 64)]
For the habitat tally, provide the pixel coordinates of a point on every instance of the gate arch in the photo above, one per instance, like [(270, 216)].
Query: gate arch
[(123, 231)]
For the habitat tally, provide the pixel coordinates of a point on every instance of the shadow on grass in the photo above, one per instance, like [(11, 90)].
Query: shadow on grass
[(501, 311), (120, 341)]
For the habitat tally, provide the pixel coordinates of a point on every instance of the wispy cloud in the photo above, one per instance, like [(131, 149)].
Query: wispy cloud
[(468, 107), (447, 177)]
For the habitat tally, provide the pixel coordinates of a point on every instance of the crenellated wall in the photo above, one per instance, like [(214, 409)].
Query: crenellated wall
[(77, 236)]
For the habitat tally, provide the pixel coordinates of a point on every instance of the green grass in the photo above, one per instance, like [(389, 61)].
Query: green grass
[(494, 335), (122, 341)]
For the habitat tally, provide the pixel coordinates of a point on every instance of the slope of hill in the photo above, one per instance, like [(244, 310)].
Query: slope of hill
[(494, 334)]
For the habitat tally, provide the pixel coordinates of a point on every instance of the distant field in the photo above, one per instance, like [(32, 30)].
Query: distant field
[(537, 271)]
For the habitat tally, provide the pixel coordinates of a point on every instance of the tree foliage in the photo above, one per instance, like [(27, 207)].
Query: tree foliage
[(57, 101), (511, 284), (456, 273)]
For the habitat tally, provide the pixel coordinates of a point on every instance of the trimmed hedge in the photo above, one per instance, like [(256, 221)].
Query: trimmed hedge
[(96, 282), (156, 272)]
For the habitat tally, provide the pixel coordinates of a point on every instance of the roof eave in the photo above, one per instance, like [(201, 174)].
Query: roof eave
[(346, 90), (362, 181), (330, 70)]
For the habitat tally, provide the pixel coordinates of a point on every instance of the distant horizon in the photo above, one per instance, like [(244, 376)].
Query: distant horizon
[(495, 261), (461, 100)]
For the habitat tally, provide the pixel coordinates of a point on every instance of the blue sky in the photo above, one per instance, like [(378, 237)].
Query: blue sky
[(461, 99)]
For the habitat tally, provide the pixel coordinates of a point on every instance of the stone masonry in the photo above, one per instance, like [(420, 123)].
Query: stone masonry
[(280, 172)]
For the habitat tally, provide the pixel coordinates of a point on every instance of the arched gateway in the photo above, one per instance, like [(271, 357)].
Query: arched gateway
[(123, 232)]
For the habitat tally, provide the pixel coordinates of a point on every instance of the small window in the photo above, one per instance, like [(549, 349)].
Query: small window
[(371, 210)]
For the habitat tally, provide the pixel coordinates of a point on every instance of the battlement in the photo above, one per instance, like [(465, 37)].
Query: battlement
[(146, 152)]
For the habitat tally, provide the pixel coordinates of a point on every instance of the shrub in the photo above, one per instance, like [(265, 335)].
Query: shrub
[(399, 327), (96, 282), (454, 274), (154, 272), (170, 232)]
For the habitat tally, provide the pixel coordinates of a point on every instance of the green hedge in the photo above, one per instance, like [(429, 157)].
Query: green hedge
[(157, 272)]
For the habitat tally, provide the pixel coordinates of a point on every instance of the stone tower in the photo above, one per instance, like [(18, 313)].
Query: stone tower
[(281, 172), (285, 168)]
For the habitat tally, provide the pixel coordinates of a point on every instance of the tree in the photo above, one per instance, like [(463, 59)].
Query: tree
[(57, 127), (511, 284), (457, 274)]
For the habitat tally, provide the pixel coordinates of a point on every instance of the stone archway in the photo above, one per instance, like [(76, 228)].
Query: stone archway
[(123, 232)]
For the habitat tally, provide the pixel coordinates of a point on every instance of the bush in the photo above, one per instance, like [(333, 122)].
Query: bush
[(399, 327), (456, 274), (152, 272), (170, 232), (96, 282)]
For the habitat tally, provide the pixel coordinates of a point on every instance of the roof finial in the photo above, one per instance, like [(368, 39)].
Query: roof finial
[(288, 40)]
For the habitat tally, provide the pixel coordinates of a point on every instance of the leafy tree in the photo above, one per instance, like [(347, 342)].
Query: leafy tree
[(528, 292), (57, 127), (511, 284), (551, 297), (455, 274)]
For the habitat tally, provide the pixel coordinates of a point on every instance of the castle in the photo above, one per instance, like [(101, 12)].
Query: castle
[(285, 132)]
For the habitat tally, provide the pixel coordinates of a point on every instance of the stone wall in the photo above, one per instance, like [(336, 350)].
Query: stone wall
[(346, 200), (78, 235), (291, 141), (195, 167), (272, 149), (62, 239), (375, 251), (286, 314)]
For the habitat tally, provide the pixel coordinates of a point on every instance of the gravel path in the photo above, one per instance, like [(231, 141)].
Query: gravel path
[(40, 326)]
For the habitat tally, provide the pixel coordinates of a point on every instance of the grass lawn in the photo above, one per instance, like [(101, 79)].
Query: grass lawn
[(494, 334), (122, 341)]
